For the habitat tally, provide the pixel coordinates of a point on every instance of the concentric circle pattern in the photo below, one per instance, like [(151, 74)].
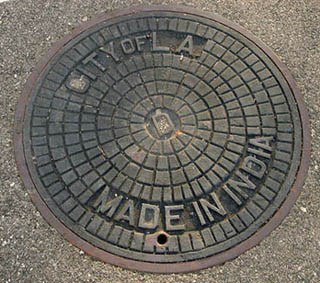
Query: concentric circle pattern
[(162, 125)]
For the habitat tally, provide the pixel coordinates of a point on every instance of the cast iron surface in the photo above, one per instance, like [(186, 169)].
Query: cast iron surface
[(162, 139)]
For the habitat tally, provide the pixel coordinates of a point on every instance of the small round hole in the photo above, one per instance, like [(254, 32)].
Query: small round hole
[(162, 239)]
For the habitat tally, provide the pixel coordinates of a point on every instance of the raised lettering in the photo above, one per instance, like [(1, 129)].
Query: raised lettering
[(149, 216), (186, 45), (140, 41), (171, 217), (254, 166), (233, 196), (91, 59), (154, 44), (259, 152), (262, 143), (111, 206), (110, 51), (238, 187), (102, 199), (87, 73), (207, 206), (246, 184), (127, 212), (199, 213), (127, 46), (219, 208)]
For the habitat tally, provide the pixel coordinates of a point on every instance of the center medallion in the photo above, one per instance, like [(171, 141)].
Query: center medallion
[(162, 123)]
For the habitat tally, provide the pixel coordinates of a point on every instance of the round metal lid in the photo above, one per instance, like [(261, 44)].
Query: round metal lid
[(162, 139)]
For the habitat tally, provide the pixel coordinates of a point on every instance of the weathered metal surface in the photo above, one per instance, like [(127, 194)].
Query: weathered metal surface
[(162, 139)]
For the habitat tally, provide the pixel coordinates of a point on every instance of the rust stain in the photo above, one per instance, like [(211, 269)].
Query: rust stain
[(102, 151)]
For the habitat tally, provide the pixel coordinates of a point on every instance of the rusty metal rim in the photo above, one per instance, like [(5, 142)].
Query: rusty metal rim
[(145, 266)]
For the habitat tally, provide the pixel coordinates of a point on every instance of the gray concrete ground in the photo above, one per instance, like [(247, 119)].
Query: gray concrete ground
[(31, 251)]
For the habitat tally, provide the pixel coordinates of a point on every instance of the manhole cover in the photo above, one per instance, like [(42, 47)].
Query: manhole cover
[(162, 139)]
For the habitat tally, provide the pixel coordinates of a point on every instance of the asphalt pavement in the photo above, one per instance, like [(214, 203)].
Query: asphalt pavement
[(32, 251)]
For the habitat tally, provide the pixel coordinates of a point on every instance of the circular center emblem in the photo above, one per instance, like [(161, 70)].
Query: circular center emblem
[(162, 123)]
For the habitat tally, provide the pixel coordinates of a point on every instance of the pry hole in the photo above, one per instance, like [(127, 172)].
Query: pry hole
[(162, 239)]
